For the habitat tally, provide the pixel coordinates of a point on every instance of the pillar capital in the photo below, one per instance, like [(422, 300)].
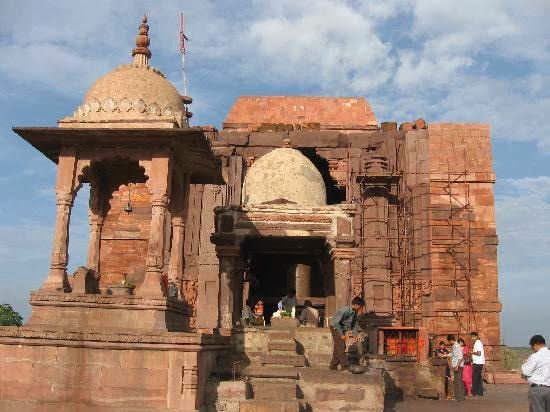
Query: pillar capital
[(178, 221), (64, 198), (343, 253), (159, 200)]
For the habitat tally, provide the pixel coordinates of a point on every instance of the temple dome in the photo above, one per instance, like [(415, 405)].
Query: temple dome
[(132, 95), (284, 176), (132, 91)]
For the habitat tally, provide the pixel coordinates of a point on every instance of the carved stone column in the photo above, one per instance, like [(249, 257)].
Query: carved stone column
[(96, 217), (179, 201), (96, 224), (342, 258), (228, 257), (57, 276), (154, 264), (190, 382), (64, 194), (375, 242)]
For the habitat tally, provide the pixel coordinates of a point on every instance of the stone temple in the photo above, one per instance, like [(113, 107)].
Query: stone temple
[(187, 224)]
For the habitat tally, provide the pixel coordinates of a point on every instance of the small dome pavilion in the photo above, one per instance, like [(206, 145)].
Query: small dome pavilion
[(132, 95)]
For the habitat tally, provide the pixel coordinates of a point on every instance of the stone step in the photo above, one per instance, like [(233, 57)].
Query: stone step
[(427, 393), (283, 360), (268, 406), (280, 335), (270, 372), (282, 345), (273, 389)]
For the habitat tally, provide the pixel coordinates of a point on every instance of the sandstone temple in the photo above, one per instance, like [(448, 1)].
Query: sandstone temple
[(188, 224)]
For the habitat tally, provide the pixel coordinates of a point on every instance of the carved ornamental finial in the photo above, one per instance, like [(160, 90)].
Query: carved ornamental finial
[(141, 52)]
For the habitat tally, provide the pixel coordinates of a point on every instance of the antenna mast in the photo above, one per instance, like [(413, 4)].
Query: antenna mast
[(183, 38)]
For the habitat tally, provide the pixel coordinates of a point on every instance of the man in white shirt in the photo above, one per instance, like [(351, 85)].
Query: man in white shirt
[(457, 365), (478, 360), (537, 371)]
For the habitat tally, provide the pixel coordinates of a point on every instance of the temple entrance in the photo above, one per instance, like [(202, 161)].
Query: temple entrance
[(277, 265)]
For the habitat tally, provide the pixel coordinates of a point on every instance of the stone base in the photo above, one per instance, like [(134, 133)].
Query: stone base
[(99, 312), (45, 370), (284, 323)]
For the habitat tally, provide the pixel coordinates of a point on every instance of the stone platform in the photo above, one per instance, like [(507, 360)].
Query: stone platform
[(52, 369), (104, 312)]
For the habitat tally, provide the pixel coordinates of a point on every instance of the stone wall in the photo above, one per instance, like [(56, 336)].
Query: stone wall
[(103, 372), (124, 236)]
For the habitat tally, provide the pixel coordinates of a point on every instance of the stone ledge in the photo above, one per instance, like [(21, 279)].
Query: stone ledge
[(116, 302), (268, 406), (9, 335)]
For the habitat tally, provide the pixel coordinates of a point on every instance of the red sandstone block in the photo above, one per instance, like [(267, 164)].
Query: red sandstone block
[(339, 394), (268, 406)]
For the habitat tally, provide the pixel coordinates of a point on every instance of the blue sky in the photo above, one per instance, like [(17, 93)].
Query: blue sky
[(469, 61)]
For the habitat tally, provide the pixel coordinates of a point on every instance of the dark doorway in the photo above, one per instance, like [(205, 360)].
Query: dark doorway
[(278, 265)]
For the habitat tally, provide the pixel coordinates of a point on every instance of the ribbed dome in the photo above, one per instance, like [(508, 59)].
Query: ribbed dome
[(132, 92), (284, 176), (132, 95)]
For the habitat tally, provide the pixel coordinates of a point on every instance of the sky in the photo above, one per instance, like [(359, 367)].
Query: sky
[(469, 61)]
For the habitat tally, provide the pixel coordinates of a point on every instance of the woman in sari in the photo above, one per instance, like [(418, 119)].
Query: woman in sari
[(467, 370)]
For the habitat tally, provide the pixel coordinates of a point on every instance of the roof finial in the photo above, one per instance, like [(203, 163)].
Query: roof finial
[(141, 52)]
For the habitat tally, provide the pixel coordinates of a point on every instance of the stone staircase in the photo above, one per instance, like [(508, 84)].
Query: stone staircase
[(280, 380), (274, 382)]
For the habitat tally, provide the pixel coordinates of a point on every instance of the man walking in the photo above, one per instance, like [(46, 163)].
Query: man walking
[(478, 361), (344, 326), (537, 372), (457, 363)]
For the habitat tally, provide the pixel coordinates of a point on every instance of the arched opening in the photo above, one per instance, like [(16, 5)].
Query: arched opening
[(79, 233)]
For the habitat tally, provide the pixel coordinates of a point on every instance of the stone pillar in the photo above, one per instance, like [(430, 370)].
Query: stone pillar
[(57, 277), (176, 265), (377, 277), (342, 258), (228, 256), (96, 217), (377, 283), (96, 224), (64, 194), (159, 182), (190, 382), (303, 280)]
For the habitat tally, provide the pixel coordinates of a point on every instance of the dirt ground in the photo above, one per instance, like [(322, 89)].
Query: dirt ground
[(501, 398)]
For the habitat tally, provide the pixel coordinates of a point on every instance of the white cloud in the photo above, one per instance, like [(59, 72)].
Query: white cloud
[(326, 44), (515, 110), (421, 71), (51, 66), (450, 36)]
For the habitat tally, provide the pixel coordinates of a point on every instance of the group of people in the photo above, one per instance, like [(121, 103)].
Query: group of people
[(465, 366), (254, 316)]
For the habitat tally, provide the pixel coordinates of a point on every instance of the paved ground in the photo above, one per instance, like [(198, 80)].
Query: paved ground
[(501, 398)]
